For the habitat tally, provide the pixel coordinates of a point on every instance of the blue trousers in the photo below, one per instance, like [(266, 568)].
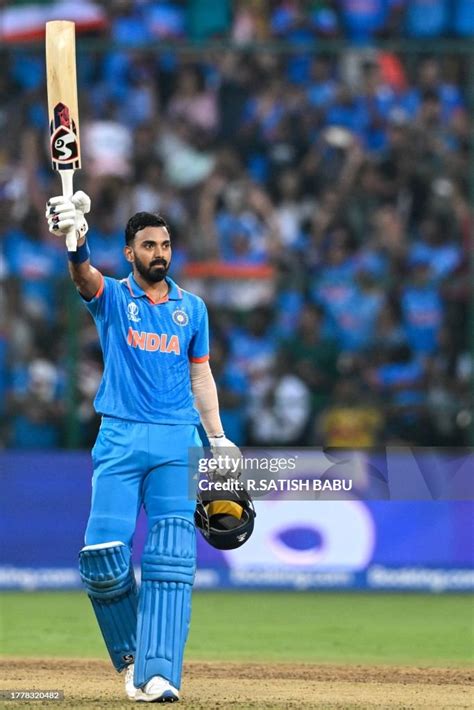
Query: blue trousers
[(142, 464), (138, 464)]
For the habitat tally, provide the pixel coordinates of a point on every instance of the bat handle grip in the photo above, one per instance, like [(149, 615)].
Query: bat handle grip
[(68, 190)]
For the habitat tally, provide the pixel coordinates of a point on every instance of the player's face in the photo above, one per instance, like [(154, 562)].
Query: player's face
[(150, 253)]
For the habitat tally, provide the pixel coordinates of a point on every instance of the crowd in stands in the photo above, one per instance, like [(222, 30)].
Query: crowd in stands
[(296, 21), (134, 22), (317, 201)]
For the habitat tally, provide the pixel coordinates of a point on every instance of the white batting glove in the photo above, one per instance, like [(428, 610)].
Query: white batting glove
[(228, 456), (63, 213)]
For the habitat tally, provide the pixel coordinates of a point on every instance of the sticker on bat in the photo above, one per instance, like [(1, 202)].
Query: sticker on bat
[(64, 142)]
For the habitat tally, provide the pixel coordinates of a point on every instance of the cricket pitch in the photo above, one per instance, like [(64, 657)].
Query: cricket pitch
[(249, 686)]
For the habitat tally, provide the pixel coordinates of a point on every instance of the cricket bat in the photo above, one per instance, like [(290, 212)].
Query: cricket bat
[(62, 107)]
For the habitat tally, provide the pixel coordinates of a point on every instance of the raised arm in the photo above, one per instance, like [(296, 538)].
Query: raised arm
[(62, 214)]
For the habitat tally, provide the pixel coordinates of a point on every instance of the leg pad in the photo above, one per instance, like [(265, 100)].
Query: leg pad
[(107, 573), (168, 568)]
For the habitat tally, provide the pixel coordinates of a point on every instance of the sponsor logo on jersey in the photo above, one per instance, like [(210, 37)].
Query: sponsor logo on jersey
[(180, 317), (153, 342), (132, 309)]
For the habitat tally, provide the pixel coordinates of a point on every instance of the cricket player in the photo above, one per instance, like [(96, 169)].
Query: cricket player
[(156, 388)]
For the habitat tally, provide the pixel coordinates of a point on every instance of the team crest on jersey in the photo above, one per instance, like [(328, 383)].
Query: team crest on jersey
[(133, 312), (180, 317)]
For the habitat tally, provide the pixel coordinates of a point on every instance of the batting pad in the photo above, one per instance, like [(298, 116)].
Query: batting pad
[(168, 568), (107, 573)]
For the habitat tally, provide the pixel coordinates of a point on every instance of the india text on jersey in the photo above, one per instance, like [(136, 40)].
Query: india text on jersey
[(153, 341)]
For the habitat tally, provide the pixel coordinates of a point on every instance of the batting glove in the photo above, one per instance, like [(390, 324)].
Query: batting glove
[(228, 456), (63, 213)]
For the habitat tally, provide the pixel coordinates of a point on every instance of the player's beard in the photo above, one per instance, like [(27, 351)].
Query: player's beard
[(154, 273)]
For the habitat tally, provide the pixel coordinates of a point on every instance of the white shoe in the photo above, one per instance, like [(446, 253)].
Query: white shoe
[(130, 689), (157, 690)]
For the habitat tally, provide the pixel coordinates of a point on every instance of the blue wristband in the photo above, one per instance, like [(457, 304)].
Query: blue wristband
[(82, 254)]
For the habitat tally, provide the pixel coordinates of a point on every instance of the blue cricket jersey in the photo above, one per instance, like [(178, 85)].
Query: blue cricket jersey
[(147, 348)]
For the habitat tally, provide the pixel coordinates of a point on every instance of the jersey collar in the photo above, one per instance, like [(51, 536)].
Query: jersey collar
[(174, 291)]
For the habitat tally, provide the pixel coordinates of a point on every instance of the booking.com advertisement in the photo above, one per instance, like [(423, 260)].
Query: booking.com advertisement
[(393, 519)]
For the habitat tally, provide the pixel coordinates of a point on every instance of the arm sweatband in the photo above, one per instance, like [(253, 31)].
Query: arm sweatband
[(205, 394)]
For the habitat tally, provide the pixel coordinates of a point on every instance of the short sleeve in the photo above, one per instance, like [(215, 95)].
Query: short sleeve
[(100, 305), (199, 346)]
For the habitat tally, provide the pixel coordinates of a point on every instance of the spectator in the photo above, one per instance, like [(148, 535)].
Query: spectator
[(107, 148), (313, 355), (355, 321), (293, 211), (245, 226), (349, 422), (186, 164), (389, 332), (192, 102), (376, 102), (128, 24), (364, 20), (348, 112), (90, 370), (429, 80), (138, 105), (334, 284), (292, 22), (34, 275), (233, 93), (401, 381), (427, 18), (166, 19), (249, 22), (321, 86), (437, 247), (422, 308), (263, 112), (464, 18), (280, 407), (251, 348), (36, 405), (104, 238)]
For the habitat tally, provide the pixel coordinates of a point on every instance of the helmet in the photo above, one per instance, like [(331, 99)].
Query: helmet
[(225, 518)]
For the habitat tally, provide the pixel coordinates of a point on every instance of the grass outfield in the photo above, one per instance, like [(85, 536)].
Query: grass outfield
[(265, 626)]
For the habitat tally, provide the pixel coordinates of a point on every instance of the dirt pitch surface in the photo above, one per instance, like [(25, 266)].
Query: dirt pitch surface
[(248, 686)]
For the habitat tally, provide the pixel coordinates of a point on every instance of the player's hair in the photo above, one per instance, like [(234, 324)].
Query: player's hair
[(140, 220)]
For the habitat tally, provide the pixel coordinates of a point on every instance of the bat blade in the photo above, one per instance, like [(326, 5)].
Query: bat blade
[(63, 110)]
